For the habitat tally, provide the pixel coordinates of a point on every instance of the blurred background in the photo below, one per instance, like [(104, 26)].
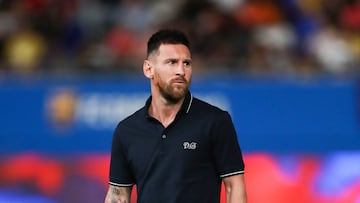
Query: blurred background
[(286, 70)]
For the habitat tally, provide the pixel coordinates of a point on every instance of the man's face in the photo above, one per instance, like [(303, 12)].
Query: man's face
[(172, 71)]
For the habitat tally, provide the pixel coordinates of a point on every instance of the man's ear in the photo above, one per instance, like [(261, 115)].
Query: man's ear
[(148, 69)]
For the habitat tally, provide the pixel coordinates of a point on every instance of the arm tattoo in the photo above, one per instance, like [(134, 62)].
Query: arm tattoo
[(115, 191), (120, 201), (119, 194)]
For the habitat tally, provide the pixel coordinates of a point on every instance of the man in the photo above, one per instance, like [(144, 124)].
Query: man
[(177, 148)]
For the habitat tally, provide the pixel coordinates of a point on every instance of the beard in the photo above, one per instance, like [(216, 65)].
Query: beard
[(171, 92)]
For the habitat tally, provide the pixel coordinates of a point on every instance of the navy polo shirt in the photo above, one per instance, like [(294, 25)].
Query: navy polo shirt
[(184, 162)]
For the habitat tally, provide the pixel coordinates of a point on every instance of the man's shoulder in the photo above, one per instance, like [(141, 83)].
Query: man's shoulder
[(133, 118), (204, 106)]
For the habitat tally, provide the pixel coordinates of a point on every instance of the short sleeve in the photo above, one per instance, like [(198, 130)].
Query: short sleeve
[(120, 173), (226, 148)]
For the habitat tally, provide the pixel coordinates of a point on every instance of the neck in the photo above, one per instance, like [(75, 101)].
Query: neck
[(164, 111)]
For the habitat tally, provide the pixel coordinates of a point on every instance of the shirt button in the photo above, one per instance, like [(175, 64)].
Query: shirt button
[(163, 136)]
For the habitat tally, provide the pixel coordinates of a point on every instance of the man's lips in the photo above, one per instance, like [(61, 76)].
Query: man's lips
[(179, 81)]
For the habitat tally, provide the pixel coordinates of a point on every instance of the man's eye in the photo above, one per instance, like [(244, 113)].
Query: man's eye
[(187, 63)]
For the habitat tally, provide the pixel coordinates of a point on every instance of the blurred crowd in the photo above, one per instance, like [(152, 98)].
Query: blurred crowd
[(301, 37)]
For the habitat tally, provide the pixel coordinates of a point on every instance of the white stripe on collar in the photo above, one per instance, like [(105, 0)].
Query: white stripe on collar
[(191, 99)]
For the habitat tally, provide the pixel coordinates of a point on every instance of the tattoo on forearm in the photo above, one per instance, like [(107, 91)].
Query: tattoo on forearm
[(115, 191), (118, 201)]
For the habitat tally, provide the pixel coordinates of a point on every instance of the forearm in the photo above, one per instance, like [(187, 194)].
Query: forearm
[(235, 189), (117, 194), (235, 195)]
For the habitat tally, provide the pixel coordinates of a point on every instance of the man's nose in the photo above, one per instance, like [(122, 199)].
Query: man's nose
[(180, 69)]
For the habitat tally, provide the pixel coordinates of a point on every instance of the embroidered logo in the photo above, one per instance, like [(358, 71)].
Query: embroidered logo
[(190, 145)]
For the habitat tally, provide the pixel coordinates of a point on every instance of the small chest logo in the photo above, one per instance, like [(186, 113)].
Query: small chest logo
[(190, 145)]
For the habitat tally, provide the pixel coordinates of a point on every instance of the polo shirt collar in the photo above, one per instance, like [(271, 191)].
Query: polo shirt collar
[(185, 107)]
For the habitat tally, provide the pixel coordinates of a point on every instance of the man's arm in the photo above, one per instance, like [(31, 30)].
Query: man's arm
[(235, 189), (118, 194)]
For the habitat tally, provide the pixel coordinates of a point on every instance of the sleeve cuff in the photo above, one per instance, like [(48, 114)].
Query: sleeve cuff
[(122, 184), (231, 174)]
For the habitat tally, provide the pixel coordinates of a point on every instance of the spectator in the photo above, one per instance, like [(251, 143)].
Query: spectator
[(247, 36)]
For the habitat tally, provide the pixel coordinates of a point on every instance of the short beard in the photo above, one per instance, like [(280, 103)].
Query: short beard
[(171, 96)]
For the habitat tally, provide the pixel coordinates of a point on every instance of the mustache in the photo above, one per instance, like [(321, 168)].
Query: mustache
[(180, 79)]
